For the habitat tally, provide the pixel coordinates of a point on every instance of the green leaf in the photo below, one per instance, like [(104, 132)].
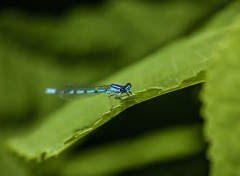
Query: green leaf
[(89, 38), (179, 65), (222, 106), (8, 163), (114, 26), (158, 146)]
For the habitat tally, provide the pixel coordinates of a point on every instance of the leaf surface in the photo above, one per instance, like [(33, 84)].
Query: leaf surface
[(222, 106), (181, 64)]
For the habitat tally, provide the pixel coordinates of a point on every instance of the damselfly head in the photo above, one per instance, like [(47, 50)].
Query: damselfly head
[(127, 88)]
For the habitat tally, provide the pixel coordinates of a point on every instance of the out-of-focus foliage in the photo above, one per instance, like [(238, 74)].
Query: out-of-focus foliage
[(222, 111), (120, 26), (158, 46), (135, 153)]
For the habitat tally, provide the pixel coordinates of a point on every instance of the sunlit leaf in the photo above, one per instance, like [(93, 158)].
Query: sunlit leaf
[(177, 66)]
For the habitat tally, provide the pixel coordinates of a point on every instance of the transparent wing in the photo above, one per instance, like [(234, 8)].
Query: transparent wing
[(72, 92)]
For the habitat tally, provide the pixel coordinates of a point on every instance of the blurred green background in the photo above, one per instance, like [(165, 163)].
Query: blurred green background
[(50, 44)]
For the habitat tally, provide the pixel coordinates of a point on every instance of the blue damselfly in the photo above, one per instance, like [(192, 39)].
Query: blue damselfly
[(73, 92)]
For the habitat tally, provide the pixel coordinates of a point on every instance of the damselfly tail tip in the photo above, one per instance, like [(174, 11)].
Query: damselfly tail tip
[(51, 91)]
